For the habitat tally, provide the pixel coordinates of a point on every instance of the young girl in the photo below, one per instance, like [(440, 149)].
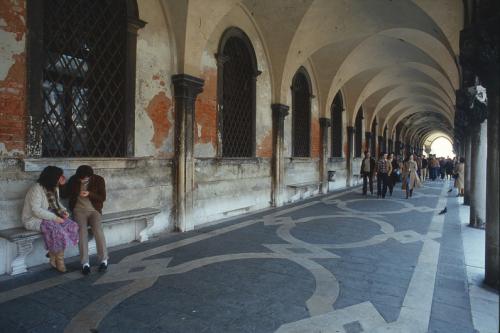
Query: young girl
[(43, 212)]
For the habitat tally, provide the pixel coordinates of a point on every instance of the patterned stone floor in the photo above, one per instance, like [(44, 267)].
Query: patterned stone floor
[(335, 263)]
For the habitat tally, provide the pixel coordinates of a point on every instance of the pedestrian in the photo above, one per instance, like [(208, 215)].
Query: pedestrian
[(449, 167), (390, 171), (410, 176), (442, 168), (382, 169), (44, 212), (459, 174), (367, 172), (423, 172), (87, 192)]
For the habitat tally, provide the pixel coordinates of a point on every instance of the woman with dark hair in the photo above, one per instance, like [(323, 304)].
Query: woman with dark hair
[(43, 212), (87, 193)]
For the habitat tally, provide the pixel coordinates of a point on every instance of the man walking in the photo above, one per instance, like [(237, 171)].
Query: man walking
[(382, 175), (367, 172)]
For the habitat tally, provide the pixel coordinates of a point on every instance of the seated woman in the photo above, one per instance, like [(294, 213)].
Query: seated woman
[(43, 212)]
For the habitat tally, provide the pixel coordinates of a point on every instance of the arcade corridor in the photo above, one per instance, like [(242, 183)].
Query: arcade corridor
[(335, 263)]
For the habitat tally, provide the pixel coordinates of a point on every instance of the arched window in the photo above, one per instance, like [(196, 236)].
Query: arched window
[(336, 116), (82, 77), (373, 149), (237, 73), (301, 114), (358, 128)]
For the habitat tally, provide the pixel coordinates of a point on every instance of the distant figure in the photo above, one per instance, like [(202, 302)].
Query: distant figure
[(423, 171), (382, 177), (459, 180), (43, 212), (410, 176), (390, 171), (87, 193), (367, 172)]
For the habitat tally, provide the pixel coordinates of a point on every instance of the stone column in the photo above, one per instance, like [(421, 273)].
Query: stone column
[(368, 141), (280, 111), (324, 125), (350, 155), (381, 146), (475, 136), (390, 149), (467, 174), (186, 88), (493, 183), (398, 148)]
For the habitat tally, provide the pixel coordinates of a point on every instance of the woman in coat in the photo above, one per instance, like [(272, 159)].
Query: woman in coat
[(410, 176), (43, 212), (459, 174)]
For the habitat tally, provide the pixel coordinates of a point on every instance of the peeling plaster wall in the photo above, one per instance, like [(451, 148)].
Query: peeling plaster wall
[(12, 77), (154, 112), (131, 182), (225, 187)]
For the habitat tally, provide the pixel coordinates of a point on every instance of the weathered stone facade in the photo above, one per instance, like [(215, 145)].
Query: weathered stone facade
[(401, 71)]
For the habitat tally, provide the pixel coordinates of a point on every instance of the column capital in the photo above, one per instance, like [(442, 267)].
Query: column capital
[(324, 122), (187, 86), (280, 110)]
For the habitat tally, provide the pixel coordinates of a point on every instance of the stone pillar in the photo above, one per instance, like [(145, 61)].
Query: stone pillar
[(368, 141), (467, 169), (186, 88), (280, 111), (324, 124), (475, 136), (390, 149), (350, 155), (398, 148), (493, 183), (381, 146)]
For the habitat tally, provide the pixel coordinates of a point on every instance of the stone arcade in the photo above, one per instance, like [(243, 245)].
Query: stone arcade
[(201, 110)]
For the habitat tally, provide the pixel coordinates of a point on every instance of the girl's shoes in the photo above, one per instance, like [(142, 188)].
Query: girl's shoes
[(59, 260)]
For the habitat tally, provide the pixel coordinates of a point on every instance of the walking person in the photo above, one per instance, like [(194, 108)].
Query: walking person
[(410, 176), (382, 170), (390, 171), (42, 211), (459, 180), (367, 172), (87, 193), (423, 172)]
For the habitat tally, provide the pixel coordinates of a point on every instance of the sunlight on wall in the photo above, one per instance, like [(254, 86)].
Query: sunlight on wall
[(442, 147)]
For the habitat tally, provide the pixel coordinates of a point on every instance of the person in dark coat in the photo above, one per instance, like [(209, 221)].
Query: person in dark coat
[(367, 172), (87, 192)]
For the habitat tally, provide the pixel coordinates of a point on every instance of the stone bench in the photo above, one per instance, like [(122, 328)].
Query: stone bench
[(24, 238), (303, 190)]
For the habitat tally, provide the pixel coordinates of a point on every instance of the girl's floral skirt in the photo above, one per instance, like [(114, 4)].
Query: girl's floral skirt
[(58, 236)]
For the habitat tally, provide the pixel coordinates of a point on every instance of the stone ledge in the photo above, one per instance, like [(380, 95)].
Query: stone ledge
[(37, 164)]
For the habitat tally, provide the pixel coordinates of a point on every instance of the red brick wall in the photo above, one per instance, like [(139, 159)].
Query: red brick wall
[(13, 84)]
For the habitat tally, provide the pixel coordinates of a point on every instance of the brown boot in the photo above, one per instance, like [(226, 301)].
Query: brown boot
[(52, 259), (60, 262)]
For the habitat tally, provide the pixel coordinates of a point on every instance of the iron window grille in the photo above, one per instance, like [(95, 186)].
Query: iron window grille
[(81, 96), (237, 70), (301, 114), (336, 116), (358, 134)]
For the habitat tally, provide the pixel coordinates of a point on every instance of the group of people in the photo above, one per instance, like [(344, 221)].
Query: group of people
[(60, 227), (412, 171)]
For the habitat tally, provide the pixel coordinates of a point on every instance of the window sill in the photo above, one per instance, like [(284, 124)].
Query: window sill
[(232, 160), (336, 159), (38, 164)]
